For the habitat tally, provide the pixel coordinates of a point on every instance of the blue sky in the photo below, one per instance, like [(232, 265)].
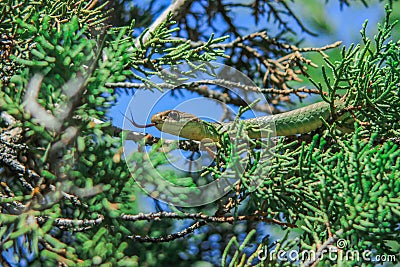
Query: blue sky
[(344, 25)]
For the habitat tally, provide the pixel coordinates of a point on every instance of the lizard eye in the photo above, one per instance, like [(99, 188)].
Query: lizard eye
[(174, 115)]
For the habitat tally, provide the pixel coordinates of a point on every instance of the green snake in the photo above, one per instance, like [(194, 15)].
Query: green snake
[(293, 122)]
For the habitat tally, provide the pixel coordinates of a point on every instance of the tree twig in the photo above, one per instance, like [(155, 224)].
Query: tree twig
[(194, 216), (169, 237), (175, 8)]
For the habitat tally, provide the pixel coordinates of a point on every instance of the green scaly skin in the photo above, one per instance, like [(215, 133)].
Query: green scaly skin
[(298, 121)]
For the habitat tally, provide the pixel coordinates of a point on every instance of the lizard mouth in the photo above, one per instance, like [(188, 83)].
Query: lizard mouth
[(155, 120)]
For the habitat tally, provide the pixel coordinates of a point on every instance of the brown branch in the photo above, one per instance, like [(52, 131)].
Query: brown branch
[(264, 36), (169, 237), (72, 223), (8, 158), (200, 88), (199, 216), (196, 216), (278, 71), (194, 87), (323, 248), (90, 5)]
